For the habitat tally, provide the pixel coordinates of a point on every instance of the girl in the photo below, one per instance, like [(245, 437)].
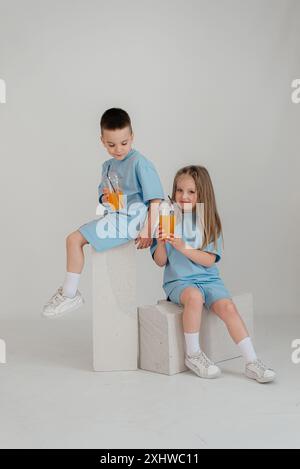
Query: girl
[(128, 173), (191, 277)]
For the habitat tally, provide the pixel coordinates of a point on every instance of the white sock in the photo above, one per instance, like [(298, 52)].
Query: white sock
[(71, 284), (192, 342), (247, 350)]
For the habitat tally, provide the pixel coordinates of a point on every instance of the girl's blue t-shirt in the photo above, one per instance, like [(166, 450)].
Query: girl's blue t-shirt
[(180, 268)]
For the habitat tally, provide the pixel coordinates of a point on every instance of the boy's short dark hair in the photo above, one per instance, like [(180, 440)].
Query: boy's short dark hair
[(115, 118)]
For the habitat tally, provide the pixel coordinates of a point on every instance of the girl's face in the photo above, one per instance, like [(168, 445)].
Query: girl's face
[(117, 142), (186, 193)]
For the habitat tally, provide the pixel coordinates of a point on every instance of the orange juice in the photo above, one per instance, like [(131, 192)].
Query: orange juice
[(167, 224), (116, 199), (172, 223)]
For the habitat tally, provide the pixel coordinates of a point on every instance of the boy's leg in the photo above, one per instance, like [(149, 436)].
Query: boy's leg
[(75, 261), (75, 257), (68, 298)]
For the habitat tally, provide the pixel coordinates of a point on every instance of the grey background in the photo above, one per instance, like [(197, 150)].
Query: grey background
[(205, 82)]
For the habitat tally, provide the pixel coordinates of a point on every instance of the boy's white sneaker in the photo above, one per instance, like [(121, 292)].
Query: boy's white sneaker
[(200, 364), (260, 372), (60, 304)]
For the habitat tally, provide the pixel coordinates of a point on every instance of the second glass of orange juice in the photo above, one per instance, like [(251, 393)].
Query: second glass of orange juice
[(166, 219)]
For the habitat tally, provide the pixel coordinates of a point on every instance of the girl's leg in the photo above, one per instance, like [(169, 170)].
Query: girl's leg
[(195, 360), (255, 369), (192, 301), (227, 311)]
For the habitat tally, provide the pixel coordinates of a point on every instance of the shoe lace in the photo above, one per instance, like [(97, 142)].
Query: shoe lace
[(260, 364), (56, 298), (204, 360)]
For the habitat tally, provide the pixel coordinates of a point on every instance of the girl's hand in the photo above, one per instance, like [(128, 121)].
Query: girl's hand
[(162, 236), (177, 243)]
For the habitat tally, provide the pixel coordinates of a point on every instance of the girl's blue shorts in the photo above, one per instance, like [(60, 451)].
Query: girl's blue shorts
[(211, 291)]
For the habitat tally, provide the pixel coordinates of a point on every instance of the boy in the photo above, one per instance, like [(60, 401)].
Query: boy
[(143, 191)]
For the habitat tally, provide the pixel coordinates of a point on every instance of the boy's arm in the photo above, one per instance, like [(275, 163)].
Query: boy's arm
[(103, 199), (145, 237)]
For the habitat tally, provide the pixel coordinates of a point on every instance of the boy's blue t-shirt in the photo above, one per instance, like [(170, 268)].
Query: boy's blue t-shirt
[(138, 177), (178, 266)]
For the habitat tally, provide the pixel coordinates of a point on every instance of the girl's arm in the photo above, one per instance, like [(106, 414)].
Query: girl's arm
[(199, 257), (160, 254)]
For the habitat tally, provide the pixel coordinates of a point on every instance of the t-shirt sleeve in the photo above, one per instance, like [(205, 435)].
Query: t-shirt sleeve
[(212, 250), (149, 181), (153, 247), (101, 185)]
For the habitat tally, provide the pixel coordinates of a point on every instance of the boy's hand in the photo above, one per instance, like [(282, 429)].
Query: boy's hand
[(105, 195), (143, 243)]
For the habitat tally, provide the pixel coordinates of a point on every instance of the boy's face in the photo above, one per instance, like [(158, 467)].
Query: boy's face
[(117, 142), (186, 193)]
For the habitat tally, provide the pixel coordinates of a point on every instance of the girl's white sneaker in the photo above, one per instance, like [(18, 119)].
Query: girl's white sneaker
[(60, 304), (200, 364), (260, 372)]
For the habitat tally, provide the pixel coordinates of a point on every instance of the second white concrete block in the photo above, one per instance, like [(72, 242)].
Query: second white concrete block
[(161, 339)]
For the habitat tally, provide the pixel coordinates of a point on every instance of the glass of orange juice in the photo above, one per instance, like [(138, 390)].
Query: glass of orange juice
[(115, 195), (166, 219)]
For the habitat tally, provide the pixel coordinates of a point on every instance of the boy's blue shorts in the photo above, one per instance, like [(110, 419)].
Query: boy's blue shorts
[(211, 291)]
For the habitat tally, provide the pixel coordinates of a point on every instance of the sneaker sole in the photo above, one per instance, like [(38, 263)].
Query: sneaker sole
[(56, 315), (196, 371), (252, 375)]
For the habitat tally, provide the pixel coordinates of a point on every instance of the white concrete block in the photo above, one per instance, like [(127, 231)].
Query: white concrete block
[(161, 339), (115, 328)]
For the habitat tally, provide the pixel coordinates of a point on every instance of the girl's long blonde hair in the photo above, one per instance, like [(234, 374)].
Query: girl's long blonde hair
[(212, 227)]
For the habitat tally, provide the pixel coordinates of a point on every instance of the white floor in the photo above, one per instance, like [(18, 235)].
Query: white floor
[(51, 398)]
